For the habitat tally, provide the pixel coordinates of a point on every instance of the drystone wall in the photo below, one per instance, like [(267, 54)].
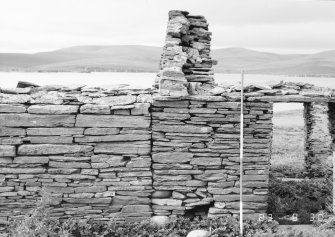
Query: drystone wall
[(186, 64), (89, 149), (195, 156), (318, 138), (130, 154)]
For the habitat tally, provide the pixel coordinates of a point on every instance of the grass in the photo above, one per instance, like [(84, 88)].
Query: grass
[(288, 157)]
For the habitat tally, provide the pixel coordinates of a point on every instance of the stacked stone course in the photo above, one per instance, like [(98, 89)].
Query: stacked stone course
[(88, 148), (196, 155), (186, 65), (130, 154)]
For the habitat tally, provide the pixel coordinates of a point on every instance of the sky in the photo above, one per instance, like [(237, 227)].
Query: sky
[(280, 26)]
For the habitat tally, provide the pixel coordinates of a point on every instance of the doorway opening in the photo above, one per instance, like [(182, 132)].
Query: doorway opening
[(295, 197), (288, 141)]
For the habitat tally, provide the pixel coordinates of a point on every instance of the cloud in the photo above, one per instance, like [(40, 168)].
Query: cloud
[(27, 26)]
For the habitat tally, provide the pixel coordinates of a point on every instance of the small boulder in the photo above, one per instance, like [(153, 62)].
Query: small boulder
[(24, 84), (199, 233), (160, 220)]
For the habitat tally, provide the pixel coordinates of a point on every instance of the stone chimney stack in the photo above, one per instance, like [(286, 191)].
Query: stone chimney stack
[(186, 65)]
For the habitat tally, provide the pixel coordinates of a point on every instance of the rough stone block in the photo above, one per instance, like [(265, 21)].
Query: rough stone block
[(173, 87), (140, 109)]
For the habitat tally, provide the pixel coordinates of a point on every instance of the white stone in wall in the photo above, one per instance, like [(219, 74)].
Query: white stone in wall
[(115, 100), (53, 109), (95, 109)]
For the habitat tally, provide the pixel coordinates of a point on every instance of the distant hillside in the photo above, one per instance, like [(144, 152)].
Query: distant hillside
[(79, 58), (146, 58)]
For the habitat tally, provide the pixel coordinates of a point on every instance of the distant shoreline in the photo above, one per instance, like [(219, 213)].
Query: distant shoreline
[(149, 71)]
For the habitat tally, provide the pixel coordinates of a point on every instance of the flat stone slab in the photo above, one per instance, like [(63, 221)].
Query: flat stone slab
[(140, 148), (88, 200), (32, 120), (8, 108), (114, 138), (54, 131), (31, 159), (22, 170), (7, 151), (115, 100), (172, 157), (53, 109), (95, 109), (182, 128), (136, 208), (101, 131), (116, 121), (51, 149), (5, 131)]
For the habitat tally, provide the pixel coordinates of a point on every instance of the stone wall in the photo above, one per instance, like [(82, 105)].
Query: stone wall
[(186, 64), (89, 148), (330, 161), (195, 156), (318, 138), (130, 154)]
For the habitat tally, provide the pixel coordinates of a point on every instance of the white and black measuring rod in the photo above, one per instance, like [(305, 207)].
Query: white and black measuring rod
[(241, 156)]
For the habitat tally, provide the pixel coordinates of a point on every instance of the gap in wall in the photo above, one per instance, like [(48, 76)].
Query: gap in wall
[(292, 199), (288, 150), (199, 211)]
